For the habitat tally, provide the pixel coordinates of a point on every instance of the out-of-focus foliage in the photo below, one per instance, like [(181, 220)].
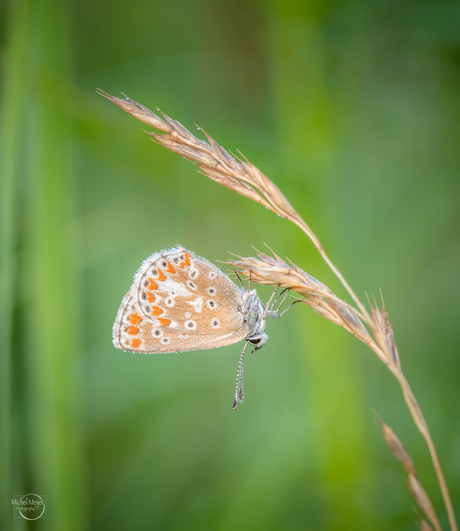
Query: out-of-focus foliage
[(352, 108)]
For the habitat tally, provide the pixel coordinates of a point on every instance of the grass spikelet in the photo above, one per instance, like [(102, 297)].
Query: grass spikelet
[(374, 328)]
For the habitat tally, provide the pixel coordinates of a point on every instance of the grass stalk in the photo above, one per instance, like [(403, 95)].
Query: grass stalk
[(239, 175)]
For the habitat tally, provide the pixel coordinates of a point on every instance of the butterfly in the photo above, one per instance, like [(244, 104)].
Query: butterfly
[(180, 302)]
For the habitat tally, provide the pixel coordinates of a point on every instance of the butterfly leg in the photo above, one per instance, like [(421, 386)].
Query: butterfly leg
[(239, 393), (275, 313), (289, 307), (269, 303), (239, 278), (285, 292)]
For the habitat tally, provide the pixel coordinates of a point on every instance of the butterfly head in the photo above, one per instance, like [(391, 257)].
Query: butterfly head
[(254, 315), (258, 340)]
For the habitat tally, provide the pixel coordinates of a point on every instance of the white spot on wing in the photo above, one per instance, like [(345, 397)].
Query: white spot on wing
[(197, 304), (173, 288)]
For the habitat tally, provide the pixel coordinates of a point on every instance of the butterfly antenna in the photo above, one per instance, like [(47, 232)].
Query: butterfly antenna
[(239, 393)]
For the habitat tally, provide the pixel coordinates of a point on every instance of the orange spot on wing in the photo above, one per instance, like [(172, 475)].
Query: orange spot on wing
[(135, 343), (153, 285), (161, 276), (133, 330), (135, 319), (150, 297), (156, 310), (170, 268), (164, 322), (186, 261)]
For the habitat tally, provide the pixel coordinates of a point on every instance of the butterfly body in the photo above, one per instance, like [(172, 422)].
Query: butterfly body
[(180, 302)]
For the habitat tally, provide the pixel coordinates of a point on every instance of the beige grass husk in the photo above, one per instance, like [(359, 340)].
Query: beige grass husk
[(374, 328)]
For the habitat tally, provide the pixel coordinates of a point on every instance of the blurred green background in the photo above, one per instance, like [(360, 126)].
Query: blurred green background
[(353, 109)]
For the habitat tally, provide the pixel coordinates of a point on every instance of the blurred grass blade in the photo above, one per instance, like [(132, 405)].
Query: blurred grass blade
[(38, 174), (13, 102)]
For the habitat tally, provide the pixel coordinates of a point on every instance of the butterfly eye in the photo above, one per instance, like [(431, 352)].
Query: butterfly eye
[(211, 304), (211, 291), (157, 332), (164, 264), (191, 285), (215, 323)]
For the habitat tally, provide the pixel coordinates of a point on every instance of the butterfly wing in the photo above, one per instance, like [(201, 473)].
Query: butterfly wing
[(179, 301)]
